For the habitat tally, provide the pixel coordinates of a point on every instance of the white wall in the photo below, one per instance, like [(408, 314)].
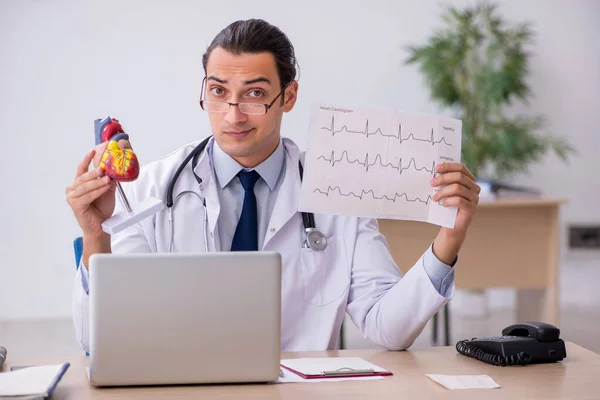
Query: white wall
[(65, 63)]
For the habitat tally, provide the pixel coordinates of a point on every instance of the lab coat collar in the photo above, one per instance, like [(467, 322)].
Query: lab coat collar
[(226, 168), (287, 203), (208, 188)]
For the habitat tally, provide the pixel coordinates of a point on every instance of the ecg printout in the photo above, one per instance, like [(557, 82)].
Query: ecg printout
[(378, 163)]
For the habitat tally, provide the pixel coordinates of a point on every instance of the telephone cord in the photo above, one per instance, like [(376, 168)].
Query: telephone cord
[(470, 350)]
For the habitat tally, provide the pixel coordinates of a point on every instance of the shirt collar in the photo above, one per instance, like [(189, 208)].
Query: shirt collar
[(226, 168)]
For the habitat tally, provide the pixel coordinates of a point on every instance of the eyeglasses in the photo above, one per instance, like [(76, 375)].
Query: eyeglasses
[(222, 107)]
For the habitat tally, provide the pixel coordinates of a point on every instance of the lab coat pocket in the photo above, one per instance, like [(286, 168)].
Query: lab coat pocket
[(325, 274)]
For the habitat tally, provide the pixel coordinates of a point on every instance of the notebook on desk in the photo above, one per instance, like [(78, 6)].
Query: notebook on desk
[(38, 381), (333, 367)]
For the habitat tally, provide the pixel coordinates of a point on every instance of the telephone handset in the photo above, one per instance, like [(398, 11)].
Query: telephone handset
[(520, 344)]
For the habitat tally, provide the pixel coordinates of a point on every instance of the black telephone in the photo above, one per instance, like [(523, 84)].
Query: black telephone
[(520, 344)]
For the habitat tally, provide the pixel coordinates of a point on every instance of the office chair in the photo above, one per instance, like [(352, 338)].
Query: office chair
[(434, 337), (78, 250)]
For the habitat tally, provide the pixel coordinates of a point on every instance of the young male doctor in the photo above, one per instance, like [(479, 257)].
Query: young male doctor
[(251, 184)]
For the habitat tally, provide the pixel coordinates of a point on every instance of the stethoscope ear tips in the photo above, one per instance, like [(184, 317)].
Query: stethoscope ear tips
[(315, 240)]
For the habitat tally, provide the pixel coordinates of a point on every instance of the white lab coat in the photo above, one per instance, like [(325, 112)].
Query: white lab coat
[(354, 274)]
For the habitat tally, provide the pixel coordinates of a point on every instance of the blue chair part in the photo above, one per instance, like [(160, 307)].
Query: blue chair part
[(78, 249)]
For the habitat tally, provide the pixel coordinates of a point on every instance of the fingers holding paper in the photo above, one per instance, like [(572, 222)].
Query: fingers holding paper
[(458, 188)]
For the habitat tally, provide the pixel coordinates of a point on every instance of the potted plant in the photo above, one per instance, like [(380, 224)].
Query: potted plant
[(476, 66)]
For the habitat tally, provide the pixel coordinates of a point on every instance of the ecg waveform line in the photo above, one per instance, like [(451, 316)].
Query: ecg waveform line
[(372, 193), (378, 131), (400, 168)]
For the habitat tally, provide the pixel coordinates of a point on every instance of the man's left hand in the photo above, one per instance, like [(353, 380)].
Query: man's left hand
[(459, 190)]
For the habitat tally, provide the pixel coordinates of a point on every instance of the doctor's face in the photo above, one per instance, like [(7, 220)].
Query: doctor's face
[(246, 78)]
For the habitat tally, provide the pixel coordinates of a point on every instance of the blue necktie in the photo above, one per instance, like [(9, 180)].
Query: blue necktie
[(246, 232)]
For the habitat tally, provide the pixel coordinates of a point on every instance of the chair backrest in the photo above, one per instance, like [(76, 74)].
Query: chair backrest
[(78, 249)]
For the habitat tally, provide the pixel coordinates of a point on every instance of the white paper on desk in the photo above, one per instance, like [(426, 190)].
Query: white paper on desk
[(290, 377), (316, 366), (464, 381), (378, 163), (29, 381)]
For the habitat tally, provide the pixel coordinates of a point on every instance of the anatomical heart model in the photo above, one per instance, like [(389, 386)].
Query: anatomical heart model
[(118, 160), (121, 164)]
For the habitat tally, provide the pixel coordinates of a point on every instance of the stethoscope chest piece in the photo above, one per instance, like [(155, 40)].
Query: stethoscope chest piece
[(315, 240)]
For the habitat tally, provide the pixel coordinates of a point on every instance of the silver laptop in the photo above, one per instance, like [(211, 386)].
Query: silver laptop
[(184, 318)]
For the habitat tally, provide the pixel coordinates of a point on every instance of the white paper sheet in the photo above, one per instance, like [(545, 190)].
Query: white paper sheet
[(290, 377), (464, 381), (378, 163), (28, 381), (315, 366)]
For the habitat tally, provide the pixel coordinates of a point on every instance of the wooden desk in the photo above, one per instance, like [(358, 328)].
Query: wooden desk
[(575, 377), (512, 242)]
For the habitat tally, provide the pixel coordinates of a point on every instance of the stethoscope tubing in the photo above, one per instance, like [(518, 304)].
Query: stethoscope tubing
[(314, 238)]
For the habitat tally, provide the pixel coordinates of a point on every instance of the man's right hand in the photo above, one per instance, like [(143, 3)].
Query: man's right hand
[(92, 199)]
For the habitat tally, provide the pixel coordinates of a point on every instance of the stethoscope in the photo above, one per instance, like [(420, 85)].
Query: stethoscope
[(315, 239)]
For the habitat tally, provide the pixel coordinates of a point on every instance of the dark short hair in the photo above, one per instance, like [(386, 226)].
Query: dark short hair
[(257, 36)]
